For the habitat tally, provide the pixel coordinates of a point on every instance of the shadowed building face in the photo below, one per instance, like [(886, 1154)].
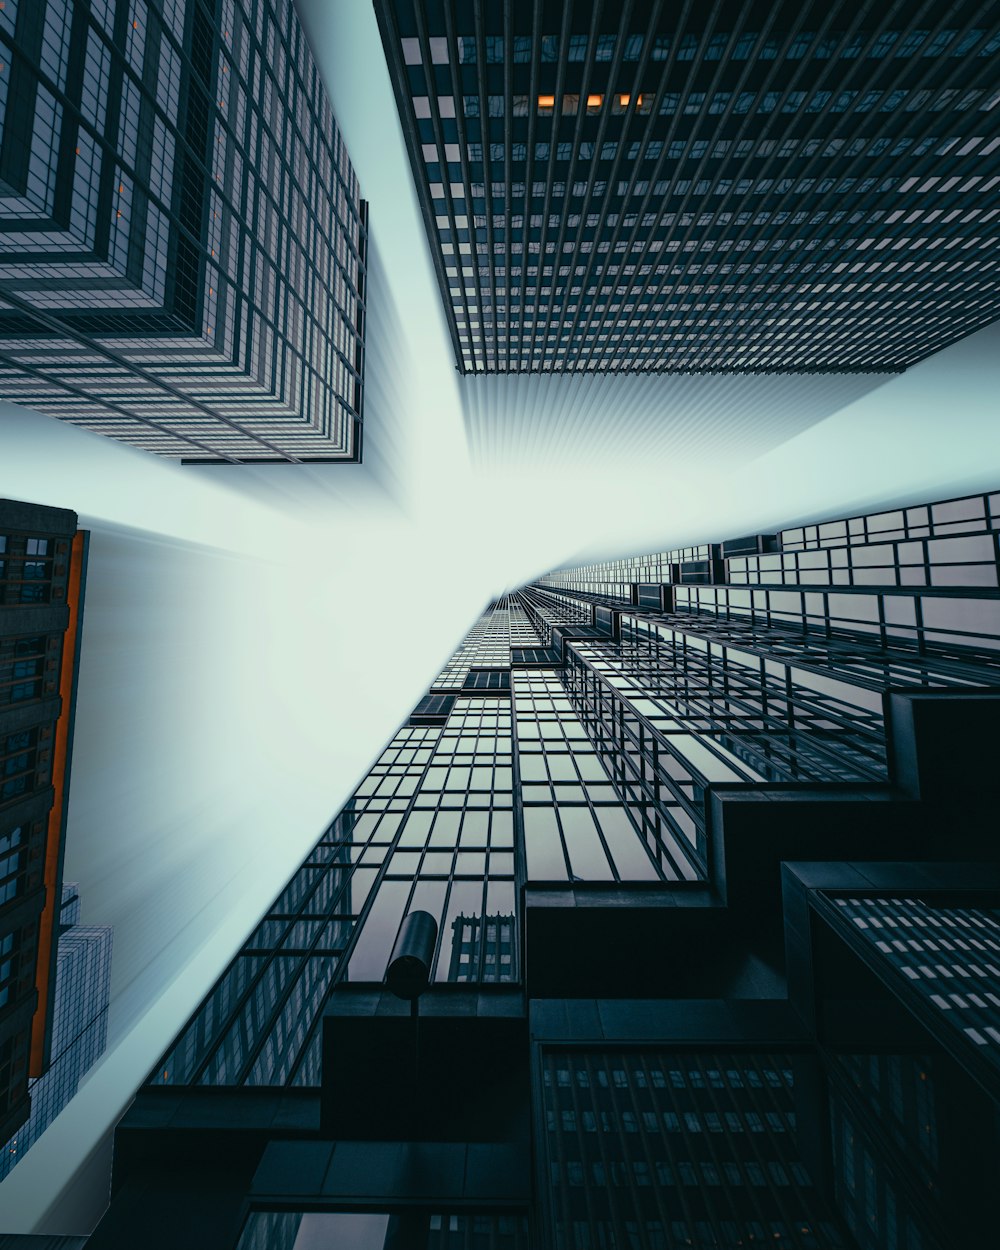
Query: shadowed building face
[(42, 578), (776, 187)]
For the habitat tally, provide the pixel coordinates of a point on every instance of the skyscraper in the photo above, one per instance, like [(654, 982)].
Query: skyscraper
[(79, 1023), (184, 239), (708, 836), (793, 186), (43, 559)]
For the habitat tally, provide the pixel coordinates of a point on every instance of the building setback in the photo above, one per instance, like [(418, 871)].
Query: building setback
[(43, 558), (790, 186), (183, 249), (79, 1023), (707, 974)]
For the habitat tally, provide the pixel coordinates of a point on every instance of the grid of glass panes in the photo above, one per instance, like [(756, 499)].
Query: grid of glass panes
[(736, 716), (230, 326), (431, 827), (13, 867), (22, 847), (875, 639), (666, 733), (24, 762), (968, 515), (575, 824), (663, 792), (900, 1092), (28, 667), (260, 1024), (454, 855), (546, 608), (945, 953), (614, 578), (969, 560), (637, 199), (25, 569), (882, 1187), (487, 645), (674, 1149), (943, 633)]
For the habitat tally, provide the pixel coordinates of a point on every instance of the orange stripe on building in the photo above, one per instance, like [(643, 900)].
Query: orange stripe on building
[(47, 920)]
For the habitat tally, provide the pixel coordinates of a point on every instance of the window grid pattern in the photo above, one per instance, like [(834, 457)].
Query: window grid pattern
[(183, 258), (546, 608), (25, 762), (676, 714), (970, 514), (905, 596), (575, 826), (703, 194), (260, 1023), (900, 1092), (948, 956), (883, 1191), (487, 645), (29, 668), (455, 855), (613, 579), (664, 1149), (28, 571), (926, 637), (430, 827)]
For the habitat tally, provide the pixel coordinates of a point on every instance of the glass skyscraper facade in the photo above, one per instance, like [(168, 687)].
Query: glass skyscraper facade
[(183, 247), (43, 559), (79, 1023), (752, 187), (706, 972)]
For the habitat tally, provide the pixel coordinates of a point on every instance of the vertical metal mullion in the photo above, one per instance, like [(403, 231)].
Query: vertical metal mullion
[(779, 61), (529, 165), (590, 168), (615, 1204), (853, 162), (742, 169), (625, 17), (643, 287), (561, 63), (458, 96), (577, 327), (640, 1057), (479, 36), (713, 1098), (573, 1058), (423, 34)]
